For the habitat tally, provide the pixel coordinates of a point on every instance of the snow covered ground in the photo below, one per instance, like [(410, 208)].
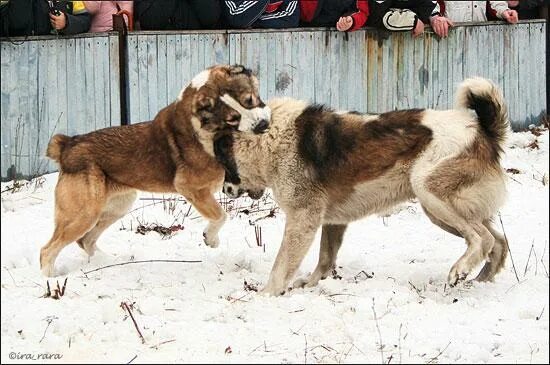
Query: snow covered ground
[(391, 303)]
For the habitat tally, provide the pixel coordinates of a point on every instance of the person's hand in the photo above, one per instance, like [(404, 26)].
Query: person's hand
[(58, 22), (511, 16), (419, 29), (441, 25), (344, 23)]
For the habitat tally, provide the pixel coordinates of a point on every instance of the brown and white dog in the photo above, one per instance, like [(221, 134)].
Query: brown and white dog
[(101, 171), (328, 169)]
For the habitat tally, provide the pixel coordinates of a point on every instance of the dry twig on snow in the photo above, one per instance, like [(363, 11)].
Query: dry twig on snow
[(127, 308), (57, 292), (141, 262)]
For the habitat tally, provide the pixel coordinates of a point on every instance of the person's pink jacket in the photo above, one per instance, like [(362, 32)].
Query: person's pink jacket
[(102, 13)]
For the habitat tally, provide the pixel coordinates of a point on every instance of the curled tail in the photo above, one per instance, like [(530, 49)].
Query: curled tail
[(486, 100), (56, 146)]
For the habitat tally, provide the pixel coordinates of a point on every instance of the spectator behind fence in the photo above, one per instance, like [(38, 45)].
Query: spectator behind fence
[(530, 9), (102, 13), (261, 14), (476, 11), (345, 15), (176, 14), (42, 17), (408, 15)]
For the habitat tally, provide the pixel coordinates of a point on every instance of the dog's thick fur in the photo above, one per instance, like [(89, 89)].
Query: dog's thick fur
[(328, 169), (101, 171)]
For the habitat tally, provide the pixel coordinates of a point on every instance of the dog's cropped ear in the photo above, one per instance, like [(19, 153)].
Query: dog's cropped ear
[(239, 69), (203, 102)]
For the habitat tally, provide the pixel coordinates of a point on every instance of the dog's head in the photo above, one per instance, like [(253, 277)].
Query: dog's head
[(226, 98)]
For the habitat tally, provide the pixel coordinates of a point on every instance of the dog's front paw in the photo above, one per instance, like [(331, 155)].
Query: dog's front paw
[(269, 291), (211, 239), (300, 283), (307, 282), (48, 271)]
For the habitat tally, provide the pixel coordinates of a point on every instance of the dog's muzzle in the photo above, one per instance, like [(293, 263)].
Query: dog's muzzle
[(234, 191), (261, 127), (255, 194), (231, 190), (263, 117), (255, 120)]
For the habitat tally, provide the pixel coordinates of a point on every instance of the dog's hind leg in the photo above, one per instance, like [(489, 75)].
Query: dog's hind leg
[(497, 256), (299, 233), (441, 224), (79, 199), (486, 236), (487, 241), (115, 208), (331, 240), (450, 218)]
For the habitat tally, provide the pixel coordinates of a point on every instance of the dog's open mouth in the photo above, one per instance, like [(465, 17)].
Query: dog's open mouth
[(234, 122)]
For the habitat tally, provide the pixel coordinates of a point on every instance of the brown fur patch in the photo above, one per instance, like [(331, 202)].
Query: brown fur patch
[(463, 171), (342, 150)]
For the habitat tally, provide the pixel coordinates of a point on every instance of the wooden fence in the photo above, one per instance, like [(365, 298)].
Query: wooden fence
[(54, 85), (72, 85)]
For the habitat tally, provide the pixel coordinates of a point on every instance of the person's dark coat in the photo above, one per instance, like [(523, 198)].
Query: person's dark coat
[(177, 14), (529, 9), (31, 17)]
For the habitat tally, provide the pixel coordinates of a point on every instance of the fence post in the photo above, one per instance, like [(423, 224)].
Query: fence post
[(119, 25)]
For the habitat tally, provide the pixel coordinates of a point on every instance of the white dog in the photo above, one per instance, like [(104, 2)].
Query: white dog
[(328, 169)]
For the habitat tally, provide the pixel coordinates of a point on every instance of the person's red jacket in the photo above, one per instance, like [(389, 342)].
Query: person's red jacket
[(308, 9), (361, 15)]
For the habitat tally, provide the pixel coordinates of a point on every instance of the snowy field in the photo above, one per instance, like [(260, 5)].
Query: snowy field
[(388, 302)]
